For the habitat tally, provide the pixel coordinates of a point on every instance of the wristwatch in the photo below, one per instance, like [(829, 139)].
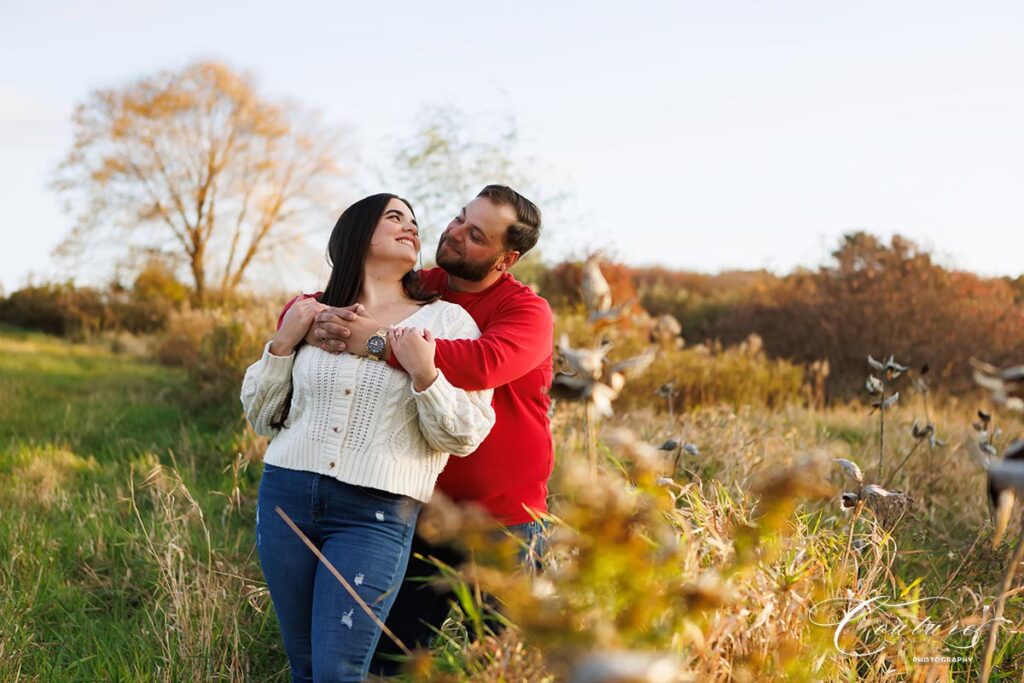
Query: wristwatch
[(377, 344)]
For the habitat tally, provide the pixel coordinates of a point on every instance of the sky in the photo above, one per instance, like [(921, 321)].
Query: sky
[(696, 135)]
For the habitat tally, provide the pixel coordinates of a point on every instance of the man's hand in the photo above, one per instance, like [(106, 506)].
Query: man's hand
[(343, 329), (296, 324), (415, 352)]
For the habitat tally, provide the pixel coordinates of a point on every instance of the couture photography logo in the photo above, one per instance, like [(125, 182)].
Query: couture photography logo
[(863, 628)]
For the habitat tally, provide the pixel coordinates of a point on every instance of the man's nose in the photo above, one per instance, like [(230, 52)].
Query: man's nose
[(455, 233)]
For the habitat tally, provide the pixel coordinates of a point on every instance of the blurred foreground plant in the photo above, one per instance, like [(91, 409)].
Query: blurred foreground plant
[(660, 576)]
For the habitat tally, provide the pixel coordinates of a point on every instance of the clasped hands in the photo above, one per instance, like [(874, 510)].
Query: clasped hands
[(346, 329)]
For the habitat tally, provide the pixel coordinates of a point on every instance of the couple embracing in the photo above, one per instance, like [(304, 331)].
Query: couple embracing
[(366, 390)]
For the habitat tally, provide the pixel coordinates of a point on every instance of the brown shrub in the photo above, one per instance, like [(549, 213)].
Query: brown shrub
[(216, 346), (883, 299), (183, 335), (67, 310), (59, 308), (697, 300)]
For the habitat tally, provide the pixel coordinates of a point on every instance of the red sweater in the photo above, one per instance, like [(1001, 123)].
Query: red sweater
[(509, 471), (508, 474)]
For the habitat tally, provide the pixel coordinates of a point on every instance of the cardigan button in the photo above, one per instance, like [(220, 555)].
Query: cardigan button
[(348, 391), (335, 429), (330, 465)]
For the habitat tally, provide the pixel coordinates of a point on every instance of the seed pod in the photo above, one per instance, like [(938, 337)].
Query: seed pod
[(1005, 478), (851, 468), (921, 432), (894, 369), (875, 490), (887, 403), (668, 389)]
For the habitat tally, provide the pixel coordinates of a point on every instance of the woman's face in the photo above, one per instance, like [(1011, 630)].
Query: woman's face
[(396, 237)]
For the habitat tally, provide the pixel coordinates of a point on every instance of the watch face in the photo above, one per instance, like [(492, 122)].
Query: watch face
[(375, 344)]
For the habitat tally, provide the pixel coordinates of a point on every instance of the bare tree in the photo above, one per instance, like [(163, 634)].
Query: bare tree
[(195, 162), (446, 161)]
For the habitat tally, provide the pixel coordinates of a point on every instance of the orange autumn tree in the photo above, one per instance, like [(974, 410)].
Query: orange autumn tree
[(194, 163)]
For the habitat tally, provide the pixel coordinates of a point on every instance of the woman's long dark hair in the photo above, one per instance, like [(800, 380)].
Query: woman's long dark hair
[(346, 252), (347, 249)]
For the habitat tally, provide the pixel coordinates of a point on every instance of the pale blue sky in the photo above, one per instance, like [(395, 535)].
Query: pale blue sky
[(699, 135)]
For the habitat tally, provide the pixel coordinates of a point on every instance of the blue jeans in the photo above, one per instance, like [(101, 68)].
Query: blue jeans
[(531, 553), (366, 535)]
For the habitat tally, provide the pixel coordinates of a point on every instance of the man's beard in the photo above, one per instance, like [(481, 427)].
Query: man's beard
[(461, 268)]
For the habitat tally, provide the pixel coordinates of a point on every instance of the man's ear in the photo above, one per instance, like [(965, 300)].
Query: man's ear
[(507, 260)]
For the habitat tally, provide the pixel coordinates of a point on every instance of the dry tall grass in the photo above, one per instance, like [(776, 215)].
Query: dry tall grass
[(738, 564), (201, 604)]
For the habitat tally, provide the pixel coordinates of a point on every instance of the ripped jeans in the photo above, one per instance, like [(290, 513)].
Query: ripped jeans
[(366, 535)]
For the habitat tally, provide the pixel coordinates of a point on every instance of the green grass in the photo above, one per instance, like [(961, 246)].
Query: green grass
[(96, 402), (103, 577)]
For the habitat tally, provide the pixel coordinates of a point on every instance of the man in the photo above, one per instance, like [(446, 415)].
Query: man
[(508, 473)]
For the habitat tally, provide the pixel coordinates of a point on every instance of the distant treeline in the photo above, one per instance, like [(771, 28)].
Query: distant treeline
[(872, 298)]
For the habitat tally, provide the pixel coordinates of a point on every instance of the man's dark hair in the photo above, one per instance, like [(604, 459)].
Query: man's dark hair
[(522, 235)]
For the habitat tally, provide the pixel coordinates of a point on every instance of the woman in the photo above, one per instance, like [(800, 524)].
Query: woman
[(357, 445)]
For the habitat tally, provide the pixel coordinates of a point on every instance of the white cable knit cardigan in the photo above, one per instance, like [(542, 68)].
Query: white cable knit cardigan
[(360, 421)]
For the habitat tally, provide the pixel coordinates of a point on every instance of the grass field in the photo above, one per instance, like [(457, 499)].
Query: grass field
[(127, 551)]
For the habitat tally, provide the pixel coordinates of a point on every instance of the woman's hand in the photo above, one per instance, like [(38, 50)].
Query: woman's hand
[(415, 352), (295, 325)]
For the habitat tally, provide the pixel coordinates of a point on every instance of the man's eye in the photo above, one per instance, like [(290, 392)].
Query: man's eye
[(458, 218)]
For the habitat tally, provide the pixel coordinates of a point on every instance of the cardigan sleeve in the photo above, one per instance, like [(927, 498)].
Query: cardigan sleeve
[(453, 420), (514, 343), (265, 389)]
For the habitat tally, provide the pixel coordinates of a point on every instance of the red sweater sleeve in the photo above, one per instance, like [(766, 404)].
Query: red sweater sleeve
[(518, 339), (280, 318)]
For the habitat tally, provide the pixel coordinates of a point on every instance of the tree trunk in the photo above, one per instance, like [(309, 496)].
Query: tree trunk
[(199, 275)]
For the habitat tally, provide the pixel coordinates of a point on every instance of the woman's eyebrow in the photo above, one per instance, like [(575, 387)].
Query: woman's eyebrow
[(398, 212)]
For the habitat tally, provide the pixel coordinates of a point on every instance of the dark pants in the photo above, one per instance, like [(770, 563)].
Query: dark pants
[(365, 534), (421, 607)]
